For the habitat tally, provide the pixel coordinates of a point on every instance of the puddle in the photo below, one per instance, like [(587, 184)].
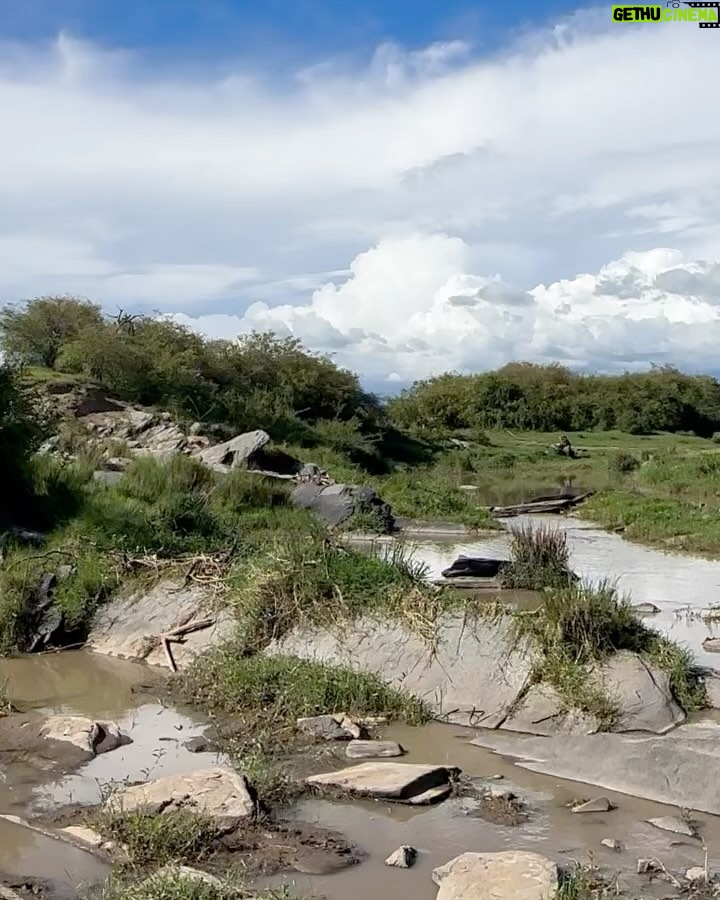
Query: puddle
[(443, 832), (671, 581)]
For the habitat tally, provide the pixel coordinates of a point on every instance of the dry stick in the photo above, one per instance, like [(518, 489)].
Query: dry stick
[(168, 653), (177, 635)]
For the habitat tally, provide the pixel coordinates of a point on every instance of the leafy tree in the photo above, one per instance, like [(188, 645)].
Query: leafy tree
[(35, 333)]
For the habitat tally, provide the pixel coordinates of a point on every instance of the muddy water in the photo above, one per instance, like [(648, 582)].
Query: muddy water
[(674, 583), (443, 832), (85, 684)]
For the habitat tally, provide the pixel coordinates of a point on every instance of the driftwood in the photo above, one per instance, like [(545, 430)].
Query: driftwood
[(177, 636), (544, 505)]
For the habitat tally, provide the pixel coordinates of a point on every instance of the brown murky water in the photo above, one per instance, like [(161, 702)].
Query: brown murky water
[(85, 684)]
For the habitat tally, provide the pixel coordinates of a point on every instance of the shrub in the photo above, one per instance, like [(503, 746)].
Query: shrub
[(623, 463)]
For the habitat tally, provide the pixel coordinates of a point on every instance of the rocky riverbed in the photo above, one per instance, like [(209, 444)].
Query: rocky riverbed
[(339, 841)]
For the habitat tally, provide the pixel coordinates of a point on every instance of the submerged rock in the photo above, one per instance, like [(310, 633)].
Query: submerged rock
[(599, 804), (337, 727), (403, 858), (512, 875), (403, 782), (612, 844), (221, 794), (373, 749)]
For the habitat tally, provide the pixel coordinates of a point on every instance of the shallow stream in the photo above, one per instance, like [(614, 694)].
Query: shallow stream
[(81, 683)]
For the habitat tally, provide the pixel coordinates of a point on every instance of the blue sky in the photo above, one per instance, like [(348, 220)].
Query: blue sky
[(412, 188), (304, 29)]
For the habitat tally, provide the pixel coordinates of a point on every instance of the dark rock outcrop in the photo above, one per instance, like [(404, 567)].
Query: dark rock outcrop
[(337, 503)]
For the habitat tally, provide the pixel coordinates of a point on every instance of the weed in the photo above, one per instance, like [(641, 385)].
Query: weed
[(584, 882), (539, 558), (178, 836), (623, 463), (173, 885)]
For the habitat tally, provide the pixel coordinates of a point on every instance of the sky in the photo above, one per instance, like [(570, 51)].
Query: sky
[(412, 188)]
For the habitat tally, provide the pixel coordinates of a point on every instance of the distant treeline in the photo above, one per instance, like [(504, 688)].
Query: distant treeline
[(530, 397)]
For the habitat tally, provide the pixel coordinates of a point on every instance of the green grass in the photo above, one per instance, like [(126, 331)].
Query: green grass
[(172, 886), (584, 882), (283, 689), (179, 836), (580, 626)]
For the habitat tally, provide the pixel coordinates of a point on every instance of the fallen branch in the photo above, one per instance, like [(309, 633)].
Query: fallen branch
[(177, 636)]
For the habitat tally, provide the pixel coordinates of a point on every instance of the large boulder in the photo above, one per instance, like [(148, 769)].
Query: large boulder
[(61, 741), (234, 453), (671, 769), (512, 875), (337, 503), (221, 794), (129, 625), (402, 782), (543, 711)]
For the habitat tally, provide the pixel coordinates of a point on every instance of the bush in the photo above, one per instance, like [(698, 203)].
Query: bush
[(623, 463)]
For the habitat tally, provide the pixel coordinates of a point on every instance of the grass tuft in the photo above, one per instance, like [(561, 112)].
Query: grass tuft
[(539, 558), (174, 886)]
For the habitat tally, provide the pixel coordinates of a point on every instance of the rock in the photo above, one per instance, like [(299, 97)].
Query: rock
[(128, 625), (674, 825), (512, 875), (310, 470), (474, 566), (116, 464), (373, 749), (195, 429), (86, 836), (234, 453), (183, 873), (599, 804), (403, 858), (712, 690), (199, 744), (696, 875), (336, 503), (330, 728), (405, 783), (619, 763), (646, 609), (543, 711), (612, 844), (474, 675), (109, 479), (645, 700), (222, 794), (91, 737), (648, 866), (711, 645)]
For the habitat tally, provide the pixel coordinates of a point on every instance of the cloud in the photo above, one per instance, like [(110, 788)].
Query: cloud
[(634, 310), (480, 184)]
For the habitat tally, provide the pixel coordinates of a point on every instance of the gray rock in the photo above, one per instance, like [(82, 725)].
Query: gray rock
[(674, 825), (618, 762), (109, 479), (336, 503), (711, 645), (612, 844), (128, 625), (712, 690), (195, 429), (199, 744), (474, 674), (403, 858), (599, 804), (221, 794), (497, 876), (403, 782), (543, 711), (87, 735), (696, 875), (116, 464), (645, 700), (175, 873), (646, 609), (373, 749), (337, 727), (236, 452), (648, 866)]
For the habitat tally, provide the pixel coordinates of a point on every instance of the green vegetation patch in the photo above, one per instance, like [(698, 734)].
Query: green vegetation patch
[(539, 558)]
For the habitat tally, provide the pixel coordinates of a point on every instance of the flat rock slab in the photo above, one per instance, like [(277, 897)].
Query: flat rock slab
[(406, 783), (599, 804), (497, 876), (645, 700), (90, 737), (128, 625), (674, 825), (61, 741), (221, 794), (373, 749), (543, 711), (670, 769), (236, 452), (473, 673)]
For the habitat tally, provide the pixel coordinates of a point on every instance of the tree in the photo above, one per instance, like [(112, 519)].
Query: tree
[(35, 333)]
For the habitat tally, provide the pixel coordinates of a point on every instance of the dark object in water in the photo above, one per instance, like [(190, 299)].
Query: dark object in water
[(475, 566), (540, 506)]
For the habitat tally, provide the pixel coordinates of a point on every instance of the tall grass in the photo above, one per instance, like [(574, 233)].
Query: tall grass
[(539, 558), (178, 836)]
